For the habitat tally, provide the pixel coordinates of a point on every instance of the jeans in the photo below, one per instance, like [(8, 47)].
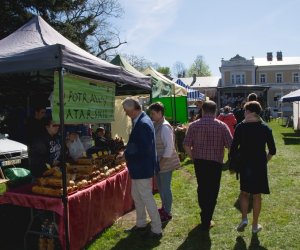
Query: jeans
[(164, 187), (208, 174)]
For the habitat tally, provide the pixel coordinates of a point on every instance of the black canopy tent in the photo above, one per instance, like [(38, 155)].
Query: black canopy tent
[(28, 59)]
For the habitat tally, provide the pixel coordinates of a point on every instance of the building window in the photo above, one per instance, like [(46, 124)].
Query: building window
[(279, 77), (295, 77), (262, 78), (238, 78)]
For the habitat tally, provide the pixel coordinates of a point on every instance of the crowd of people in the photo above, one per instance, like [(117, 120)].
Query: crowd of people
[(150, 152), (44, 143)]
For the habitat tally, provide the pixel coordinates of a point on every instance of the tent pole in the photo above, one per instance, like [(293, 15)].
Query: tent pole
[(174, 97), (186, 110), (63, 159)]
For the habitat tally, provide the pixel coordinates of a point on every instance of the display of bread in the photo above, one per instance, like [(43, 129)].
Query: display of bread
[(79, 176)]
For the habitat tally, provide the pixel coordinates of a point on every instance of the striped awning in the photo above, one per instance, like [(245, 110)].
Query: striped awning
[(192, 94)]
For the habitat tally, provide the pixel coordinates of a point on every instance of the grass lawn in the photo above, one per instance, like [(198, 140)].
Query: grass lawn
[(280, 215)]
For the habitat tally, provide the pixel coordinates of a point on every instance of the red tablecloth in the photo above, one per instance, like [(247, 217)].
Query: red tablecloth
[(90, 210)]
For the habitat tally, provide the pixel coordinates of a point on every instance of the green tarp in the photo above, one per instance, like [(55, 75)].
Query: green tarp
[(175, 108)]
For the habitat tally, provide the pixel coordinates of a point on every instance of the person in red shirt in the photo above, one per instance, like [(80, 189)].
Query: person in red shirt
[(204, 143), (228, 118)]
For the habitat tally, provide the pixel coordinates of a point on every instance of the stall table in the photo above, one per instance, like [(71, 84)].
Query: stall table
[(90, 210)]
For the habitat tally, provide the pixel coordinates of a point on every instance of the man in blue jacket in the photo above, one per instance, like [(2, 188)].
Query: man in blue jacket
[(140, 155)]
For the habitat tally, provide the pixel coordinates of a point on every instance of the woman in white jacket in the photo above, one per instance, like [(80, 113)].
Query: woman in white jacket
[(167, 156)]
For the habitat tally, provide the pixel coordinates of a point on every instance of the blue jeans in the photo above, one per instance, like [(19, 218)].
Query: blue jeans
[(164, 187)]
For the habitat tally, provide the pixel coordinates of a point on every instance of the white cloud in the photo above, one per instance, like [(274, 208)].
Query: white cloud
[(149, 19)]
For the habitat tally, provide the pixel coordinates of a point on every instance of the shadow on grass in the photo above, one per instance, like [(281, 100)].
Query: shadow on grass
[(294, 134), (196, 239), (136, 241), (291, 138), (255, 244), (291, 141), (240, 244)]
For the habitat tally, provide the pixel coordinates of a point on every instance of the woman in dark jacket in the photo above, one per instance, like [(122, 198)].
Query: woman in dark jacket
[(250, 139), (45, 149)]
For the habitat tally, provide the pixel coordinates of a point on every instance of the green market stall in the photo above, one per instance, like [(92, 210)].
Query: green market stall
[(172, 95)]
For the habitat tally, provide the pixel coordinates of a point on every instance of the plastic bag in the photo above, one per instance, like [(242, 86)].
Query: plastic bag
[(18, 176), (76, 149)]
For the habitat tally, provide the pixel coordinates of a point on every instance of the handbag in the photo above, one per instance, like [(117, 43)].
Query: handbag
[(235, 161)]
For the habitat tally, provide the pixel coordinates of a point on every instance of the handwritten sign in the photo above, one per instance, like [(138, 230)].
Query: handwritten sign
[(85, 100)]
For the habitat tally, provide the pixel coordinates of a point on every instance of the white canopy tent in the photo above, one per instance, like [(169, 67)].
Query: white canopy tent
[(164, 86), (295, 98)]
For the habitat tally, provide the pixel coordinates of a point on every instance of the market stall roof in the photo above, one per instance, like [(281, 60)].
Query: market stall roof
[(37, 46), (193, 94), (291, 97), (162, 86), (121, 61)]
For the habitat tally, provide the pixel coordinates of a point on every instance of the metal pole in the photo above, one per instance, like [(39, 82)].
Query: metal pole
[(175, 118), (63, 159)]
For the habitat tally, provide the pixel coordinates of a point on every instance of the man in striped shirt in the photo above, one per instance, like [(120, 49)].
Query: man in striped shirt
[(205, 142)]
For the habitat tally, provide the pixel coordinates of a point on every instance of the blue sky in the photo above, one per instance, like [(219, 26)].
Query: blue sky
[(166, 31)]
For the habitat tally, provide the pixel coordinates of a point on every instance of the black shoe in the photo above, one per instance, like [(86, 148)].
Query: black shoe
[(153, 236), (135, 229)]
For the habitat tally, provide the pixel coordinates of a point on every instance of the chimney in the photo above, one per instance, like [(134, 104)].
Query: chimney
[(279, 56), (194, 79), (269, 56)]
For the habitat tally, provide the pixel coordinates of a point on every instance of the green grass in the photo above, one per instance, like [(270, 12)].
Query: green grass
[(280, 215)]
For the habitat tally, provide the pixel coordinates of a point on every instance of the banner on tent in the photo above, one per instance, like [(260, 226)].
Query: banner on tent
[(85, 100), (161, 89)]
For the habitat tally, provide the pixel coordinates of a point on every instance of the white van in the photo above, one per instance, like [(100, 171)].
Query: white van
[(11, 152)]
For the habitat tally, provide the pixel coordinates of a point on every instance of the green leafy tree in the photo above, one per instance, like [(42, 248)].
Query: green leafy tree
[(199, 67), (165, 71), (84, 22)]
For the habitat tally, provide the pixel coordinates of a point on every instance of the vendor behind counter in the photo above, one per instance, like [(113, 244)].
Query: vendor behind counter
[(103, 142), (45, 149)]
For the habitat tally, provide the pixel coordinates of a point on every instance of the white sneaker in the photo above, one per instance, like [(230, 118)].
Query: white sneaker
[(242, 225), (256, 229)]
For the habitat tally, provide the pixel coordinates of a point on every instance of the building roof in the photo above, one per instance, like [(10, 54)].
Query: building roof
[(201, 82), (285, 61)]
